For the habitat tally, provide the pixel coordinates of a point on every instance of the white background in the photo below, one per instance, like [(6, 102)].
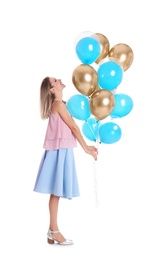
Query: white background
[(38, 40)]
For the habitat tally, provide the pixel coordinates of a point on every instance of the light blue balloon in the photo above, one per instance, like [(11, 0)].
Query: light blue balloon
[(79, 107), (110, 75), (88, 50), (90, 129), (109, 133), (123, 105)]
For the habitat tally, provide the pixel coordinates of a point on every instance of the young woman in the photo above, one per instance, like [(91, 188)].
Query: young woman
[(57, 174)]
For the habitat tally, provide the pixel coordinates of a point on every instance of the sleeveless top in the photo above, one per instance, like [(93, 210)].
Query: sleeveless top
[(58, 134)]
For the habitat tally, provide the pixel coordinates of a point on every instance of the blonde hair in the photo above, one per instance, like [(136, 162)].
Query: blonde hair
[(46, 98)]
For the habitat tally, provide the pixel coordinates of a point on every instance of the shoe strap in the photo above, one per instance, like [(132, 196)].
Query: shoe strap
[(54, 232)]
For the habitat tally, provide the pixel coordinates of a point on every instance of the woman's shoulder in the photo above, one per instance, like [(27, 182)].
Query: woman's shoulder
[(57, 106)]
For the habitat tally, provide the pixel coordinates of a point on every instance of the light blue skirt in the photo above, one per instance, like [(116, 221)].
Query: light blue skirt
[(57, 174)]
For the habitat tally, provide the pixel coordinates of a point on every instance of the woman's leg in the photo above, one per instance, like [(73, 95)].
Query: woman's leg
[(53, 210)]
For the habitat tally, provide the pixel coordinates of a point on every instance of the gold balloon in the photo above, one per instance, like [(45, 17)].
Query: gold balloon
[(85, 79), (105, 46), (123, 54), (102, 103), (98, 88)]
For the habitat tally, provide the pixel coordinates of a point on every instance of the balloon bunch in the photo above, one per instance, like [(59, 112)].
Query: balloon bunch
[(97, 98)]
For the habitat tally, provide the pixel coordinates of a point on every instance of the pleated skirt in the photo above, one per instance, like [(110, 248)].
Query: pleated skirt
[(57, 174)]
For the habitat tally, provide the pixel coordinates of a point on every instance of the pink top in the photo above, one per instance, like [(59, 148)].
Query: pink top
[(58, 134)]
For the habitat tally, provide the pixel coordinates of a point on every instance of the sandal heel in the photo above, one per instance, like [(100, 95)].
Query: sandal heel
[(50, 241)]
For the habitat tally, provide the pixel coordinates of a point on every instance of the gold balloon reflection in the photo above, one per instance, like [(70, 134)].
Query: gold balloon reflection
[(123, 54), (105, 45), (85, 79), (102, 103)]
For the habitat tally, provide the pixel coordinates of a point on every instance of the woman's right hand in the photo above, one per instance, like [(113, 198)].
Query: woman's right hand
[(92, 150)]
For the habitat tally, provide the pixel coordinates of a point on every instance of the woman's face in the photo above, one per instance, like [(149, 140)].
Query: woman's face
[(56, 83)]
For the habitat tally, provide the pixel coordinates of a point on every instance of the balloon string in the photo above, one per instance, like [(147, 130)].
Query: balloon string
[(95, 177), (95, 181)]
